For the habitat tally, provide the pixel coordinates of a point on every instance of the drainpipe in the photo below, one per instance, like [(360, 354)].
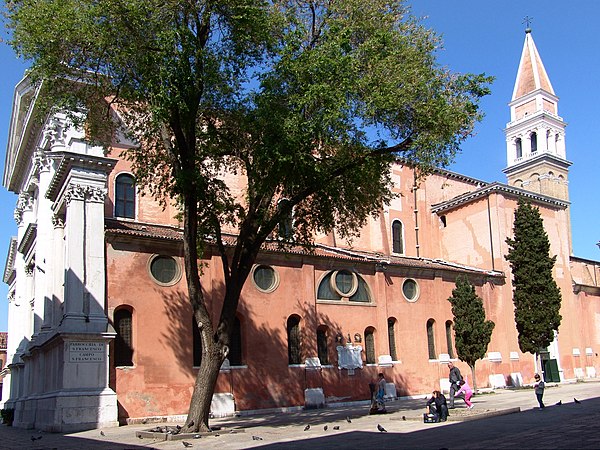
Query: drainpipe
[(416, 211)]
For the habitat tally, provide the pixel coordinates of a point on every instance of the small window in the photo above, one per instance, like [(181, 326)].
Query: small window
[(125, 196), (165, 270), (370, 346), (533, 139), (449, 339), (293, 334), (519, 147), (265, 278), (322, 345), (235, 344), (123, 341), (392, 338), (397, 239), (431, 339), (410, 289)]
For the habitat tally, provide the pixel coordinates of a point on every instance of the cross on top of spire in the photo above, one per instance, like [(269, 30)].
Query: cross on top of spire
[(527, 21)]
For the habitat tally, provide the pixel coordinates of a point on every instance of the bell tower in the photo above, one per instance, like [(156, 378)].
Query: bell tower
[(535, 136)]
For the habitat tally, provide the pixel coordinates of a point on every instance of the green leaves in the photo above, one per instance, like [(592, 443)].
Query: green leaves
[(472, 332), (536, 295)]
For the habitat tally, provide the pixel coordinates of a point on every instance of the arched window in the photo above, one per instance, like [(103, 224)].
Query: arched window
[(397, 237), (343, 284), (125, 196), (519, 147), (449, 338), (123, 341), (293, 335), (392, 338), (431, 339), (370, 345), (235, 344), (533, 138), (322, 345), (197, 344)]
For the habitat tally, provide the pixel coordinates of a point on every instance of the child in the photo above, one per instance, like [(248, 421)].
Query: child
[(467, 391), (539, 389)]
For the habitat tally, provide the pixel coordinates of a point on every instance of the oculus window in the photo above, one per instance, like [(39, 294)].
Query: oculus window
[(164, 270), (265, 278), (410, 290)]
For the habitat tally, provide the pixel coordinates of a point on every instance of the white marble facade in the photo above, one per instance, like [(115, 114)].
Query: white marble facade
[(55, 271)]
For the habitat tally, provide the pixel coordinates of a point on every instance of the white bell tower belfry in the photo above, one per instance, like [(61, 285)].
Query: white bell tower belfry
[(535, 136)]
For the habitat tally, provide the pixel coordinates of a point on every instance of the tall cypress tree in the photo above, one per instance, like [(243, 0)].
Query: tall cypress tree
[(472, 332), (536, 295)]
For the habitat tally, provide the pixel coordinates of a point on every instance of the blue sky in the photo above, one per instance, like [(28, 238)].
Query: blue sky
[(479, 36)]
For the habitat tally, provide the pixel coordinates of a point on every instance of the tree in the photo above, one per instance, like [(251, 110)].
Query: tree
[(308, 101), (536, 295), (472, 332)]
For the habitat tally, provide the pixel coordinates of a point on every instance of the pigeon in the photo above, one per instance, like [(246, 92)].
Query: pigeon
[(403, 417), (186, 444), (337, 427), (559, 403), (191, 424), (576, 401), (33, 438), (348, 419), (307, 427), (380, 428), (257, 438), (102, 433), (325, 428)]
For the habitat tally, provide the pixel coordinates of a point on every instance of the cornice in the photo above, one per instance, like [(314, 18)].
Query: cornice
[(9, 266), (501, 189), (68, 161), (28, 238)]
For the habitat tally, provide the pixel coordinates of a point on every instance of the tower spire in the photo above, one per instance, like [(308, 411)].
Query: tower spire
[(535, 136)]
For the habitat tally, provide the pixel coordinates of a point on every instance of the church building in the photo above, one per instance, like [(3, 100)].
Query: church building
[(101, 331)]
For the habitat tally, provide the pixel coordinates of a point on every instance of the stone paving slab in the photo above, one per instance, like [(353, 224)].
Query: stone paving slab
[(569, 425)]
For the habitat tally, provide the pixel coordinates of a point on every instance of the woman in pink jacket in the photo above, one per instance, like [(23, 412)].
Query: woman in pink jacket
[(466, 390)]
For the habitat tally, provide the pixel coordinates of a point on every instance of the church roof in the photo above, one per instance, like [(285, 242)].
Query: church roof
[(531, 75), (138, 230)]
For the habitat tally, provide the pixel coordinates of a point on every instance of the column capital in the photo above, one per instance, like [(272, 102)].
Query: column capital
[(24, 203), (58, 220)]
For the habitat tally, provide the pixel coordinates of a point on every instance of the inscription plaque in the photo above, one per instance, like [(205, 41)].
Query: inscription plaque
[(82, 352)]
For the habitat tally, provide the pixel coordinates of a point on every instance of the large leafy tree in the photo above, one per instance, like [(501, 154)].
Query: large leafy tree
[(472, 332), (536, 295), (307, 100)]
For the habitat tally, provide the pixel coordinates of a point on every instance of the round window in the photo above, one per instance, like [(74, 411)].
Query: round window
[(164, 270), (344, 282), (410, 289), (265, 278)]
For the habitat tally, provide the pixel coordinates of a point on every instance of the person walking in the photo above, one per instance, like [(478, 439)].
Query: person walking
[(539, 389), (454, 377)]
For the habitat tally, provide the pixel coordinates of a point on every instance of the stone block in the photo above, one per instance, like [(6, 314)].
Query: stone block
[(314, 398)]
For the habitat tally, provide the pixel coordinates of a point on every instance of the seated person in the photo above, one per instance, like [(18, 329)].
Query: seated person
[(437, 405)]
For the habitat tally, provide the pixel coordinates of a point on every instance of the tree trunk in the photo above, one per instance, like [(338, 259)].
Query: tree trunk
[(198, 415), (473, 377)]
